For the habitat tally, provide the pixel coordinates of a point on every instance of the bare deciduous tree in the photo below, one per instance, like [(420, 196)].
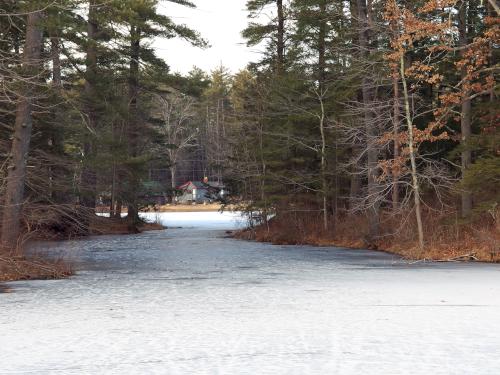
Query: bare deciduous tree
[(177, 114)]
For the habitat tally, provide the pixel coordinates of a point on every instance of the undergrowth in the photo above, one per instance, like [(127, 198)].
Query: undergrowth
[(445, 238)]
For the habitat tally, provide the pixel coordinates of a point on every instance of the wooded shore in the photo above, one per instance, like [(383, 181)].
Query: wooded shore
[(33, 267), (457, 242)]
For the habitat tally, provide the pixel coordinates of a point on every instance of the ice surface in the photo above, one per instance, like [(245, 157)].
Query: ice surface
[(189, 301), (204, 220)]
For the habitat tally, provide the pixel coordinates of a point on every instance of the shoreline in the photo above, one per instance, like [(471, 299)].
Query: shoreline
[(18, 268), (278, 232), (471, 249), (465, 258)]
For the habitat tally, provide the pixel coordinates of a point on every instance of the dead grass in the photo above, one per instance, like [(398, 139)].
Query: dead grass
[(25, 268), (105, 225), (147, 227), (445, 241)]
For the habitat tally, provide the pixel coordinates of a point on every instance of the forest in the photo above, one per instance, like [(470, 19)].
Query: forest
[(363, 123)]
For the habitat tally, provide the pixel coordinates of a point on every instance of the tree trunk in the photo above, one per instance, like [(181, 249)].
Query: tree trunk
[(173, 171), (495, 6), (321, 86), (88, 192), (56, 140), (113, 192), (16, 176), (263, 172), (324, 182), (118, 209), (355, 181), (367, 93), (395, 128), (280, 44), (466, 111), (411, 147), (395, 170), (322, 46), (56, 61), (132, 131)]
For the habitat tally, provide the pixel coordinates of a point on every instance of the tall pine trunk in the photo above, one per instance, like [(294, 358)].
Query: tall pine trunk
[(16, 177), (132, 130), (56, 139), (280, 44), (322, 45)]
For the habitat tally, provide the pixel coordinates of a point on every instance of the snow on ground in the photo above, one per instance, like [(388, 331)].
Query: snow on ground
[(189, 301)]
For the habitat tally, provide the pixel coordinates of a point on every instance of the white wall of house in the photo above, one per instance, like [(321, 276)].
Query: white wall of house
[(195, 195)]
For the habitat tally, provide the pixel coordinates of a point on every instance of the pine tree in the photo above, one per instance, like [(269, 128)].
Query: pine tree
[(274, 33), (27, 93), (143, 22)]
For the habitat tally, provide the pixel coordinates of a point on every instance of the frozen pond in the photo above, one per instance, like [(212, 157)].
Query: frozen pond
[(189, 301)]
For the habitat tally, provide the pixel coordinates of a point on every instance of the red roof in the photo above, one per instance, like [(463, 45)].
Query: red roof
[(196, 184)]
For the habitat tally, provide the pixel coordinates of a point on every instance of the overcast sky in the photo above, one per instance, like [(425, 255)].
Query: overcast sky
[(218, 21)]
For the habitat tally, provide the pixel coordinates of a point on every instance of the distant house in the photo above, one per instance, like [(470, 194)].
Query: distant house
[(218, 189), (200, 192)]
